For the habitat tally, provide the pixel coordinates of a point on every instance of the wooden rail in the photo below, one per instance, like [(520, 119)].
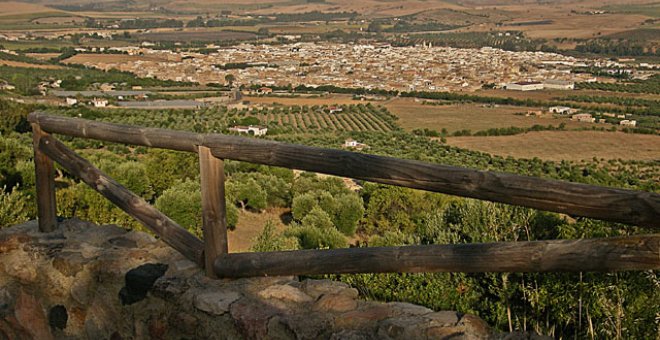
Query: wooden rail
[(602, 254), (174, 235), (611, 204)]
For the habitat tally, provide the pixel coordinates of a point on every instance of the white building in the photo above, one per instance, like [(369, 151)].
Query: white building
[(71, 101), (558, 84), (250, 130), (584, 117), (100, 102), (564, 110), (6, 86), (627, 122), (351, 143), (525, 86)]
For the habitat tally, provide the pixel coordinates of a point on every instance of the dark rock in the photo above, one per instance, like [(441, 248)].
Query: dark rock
[(157, 328), (279, 329), (169, 288), (58, 317), (139, 281)]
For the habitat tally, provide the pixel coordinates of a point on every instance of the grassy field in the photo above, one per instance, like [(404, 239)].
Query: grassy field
[(42, 56), (28, 65), (199, 35), (310, 28), (324, 100), (651, 9), (250, 225), (111, 58), (21, 45), (17, 9), (474, 117), (566, 145), (552, 94)]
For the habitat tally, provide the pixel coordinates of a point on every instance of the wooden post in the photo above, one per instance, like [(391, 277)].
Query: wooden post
[(212, 173), (45, 181)]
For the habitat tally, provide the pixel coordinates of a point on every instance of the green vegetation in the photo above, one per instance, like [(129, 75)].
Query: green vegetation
[(26, 80), (405, 26), (326, 213), (599, 305), (616, 47), (509, 40), (651, 85), (18, 57), (651, 9), (240, 66)]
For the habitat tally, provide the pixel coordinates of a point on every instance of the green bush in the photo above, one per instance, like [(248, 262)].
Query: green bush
[(271, 240), (183, 204), (13, 207)]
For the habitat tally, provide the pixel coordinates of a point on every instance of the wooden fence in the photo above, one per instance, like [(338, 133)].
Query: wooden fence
[(604, 254)]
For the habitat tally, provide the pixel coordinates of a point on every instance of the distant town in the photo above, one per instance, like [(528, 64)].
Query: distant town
[(370, 66)]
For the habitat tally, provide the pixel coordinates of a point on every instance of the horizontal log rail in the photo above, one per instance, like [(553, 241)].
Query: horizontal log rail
[(601, 254), (641, 208), (610, 204)]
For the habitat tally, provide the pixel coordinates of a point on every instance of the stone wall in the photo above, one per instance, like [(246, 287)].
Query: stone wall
[(104, 282)]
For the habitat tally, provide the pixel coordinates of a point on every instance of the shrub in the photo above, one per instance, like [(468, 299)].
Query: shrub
[(13, 207)]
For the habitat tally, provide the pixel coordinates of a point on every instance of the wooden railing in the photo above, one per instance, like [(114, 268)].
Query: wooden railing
[(603, 254)]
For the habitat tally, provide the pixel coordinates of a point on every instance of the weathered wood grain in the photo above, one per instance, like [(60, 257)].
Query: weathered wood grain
[(130, 134), (610, 204), (601, 254), (45, 184), (212, 177), (171, 233)]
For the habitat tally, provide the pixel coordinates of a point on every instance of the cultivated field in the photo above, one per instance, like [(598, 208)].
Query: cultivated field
[(376, 8), (198, 35), (474, 117), (553, 94), (14, 8), (566, 19), (111, 58), (566, 145), (318, 100), (307, 119), (28, 65), (42, 56), (312, 28)]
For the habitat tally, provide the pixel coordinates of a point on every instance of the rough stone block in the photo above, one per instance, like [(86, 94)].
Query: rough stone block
[(215, 302)]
